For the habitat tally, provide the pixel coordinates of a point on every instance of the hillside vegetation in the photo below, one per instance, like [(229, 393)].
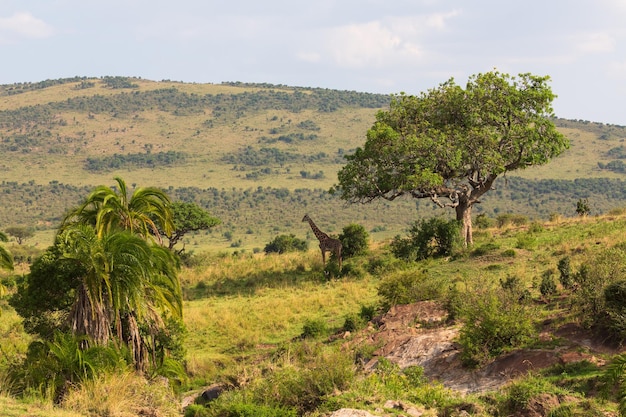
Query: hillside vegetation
[(257, 156)]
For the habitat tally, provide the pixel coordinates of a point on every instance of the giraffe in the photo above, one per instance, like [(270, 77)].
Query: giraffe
[(327, 243)]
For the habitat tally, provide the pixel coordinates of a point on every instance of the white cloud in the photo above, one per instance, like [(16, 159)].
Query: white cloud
[(379, 43), (23, 25)]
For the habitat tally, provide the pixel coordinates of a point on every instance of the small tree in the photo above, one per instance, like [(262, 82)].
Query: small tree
[(188, 217), (20, 233), (582, 207), (354, 240)]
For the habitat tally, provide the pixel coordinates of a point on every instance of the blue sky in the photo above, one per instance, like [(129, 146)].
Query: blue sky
[(379, 46)]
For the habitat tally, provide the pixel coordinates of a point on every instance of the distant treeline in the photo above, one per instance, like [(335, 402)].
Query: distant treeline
[(171, 100), (134, 160), (280, 210), (250, 156), (84, 82)]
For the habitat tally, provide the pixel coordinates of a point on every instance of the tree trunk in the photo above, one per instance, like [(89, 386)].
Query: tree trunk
[(464, 215)]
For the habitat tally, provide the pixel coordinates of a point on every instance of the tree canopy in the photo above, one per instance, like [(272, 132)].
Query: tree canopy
[(449, 144), (188, 217)]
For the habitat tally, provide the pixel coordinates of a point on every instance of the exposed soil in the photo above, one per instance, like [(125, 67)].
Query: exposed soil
[(416, 334)]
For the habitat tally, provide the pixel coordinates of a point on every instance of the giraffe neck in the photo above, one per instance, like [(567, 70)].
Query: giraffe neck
[(318, 233)]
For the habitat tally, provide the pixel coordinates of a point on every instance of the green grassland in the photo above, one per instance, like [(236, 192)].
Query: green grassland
[(246, 315), (252, 155)]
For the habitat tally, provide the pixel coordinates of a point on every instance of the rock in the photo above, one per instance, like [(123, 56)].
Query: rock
[(212, 392)]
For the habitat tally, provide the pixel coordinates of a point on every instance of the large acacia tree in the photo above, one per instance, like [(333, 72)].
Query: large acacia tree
[(449, 144)]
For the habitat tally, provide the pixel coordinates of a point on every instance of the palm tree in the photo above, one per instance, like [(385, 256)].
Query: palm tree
[(6, 260), (128, 281), (145, 213)]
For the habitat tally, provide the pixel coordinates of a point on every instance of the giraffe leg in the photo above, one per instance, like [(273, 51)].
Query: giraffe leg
[(338, 253), (323, 256)]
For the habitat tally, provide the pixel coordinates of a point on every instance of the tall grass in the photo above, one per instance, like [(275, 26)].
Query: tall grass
[(123, 394)]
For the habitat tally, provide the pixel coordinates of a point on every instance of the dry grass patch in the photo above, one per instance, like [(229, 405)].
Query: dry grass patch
[(123, 395)]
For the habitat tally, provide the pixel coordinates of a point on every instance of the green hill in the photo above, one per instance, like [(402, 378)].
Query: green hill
[(258, 156)]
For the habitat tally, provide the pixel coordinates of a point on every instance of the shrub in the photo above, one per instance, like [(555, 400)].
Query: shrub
[(535, 227), (354, 240), (615, 301), (428, 238), (483, 221), (196, 410), (53, 366), (609, 266), (582, 207), (484, 249), (548, 285), (350, 269), (526, 241), (406, 287), (286, 243), (379, 265), (509, 253), (565, 273), (493, 322), (352, 322), (313, 328)]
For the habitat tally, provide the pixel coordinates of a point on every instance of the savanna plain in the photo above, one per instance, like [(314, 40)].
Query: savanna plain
[(284, 335)]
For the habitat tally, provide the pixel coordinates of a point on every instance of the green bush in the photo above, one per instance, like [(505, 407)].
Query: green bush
[(609, 266), (313, 328), (352, 322), (286, 243), (428, 238), (483, 221), (354, 240), (493, 322), (615, 302), (196, 410), (535, 227), (482, 250), (352, 269), (51, 367), (406, 287), (565, 273), (526, 241), (509, 253), (381, 264), (548, 285)]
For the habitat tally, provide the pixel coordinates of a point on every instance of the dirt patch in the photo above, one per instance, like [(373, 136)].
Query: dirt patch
[(416, 334)]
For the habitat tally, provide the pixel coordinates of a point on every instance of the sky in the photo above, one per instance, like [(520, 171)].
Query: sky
[(376, 46)]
